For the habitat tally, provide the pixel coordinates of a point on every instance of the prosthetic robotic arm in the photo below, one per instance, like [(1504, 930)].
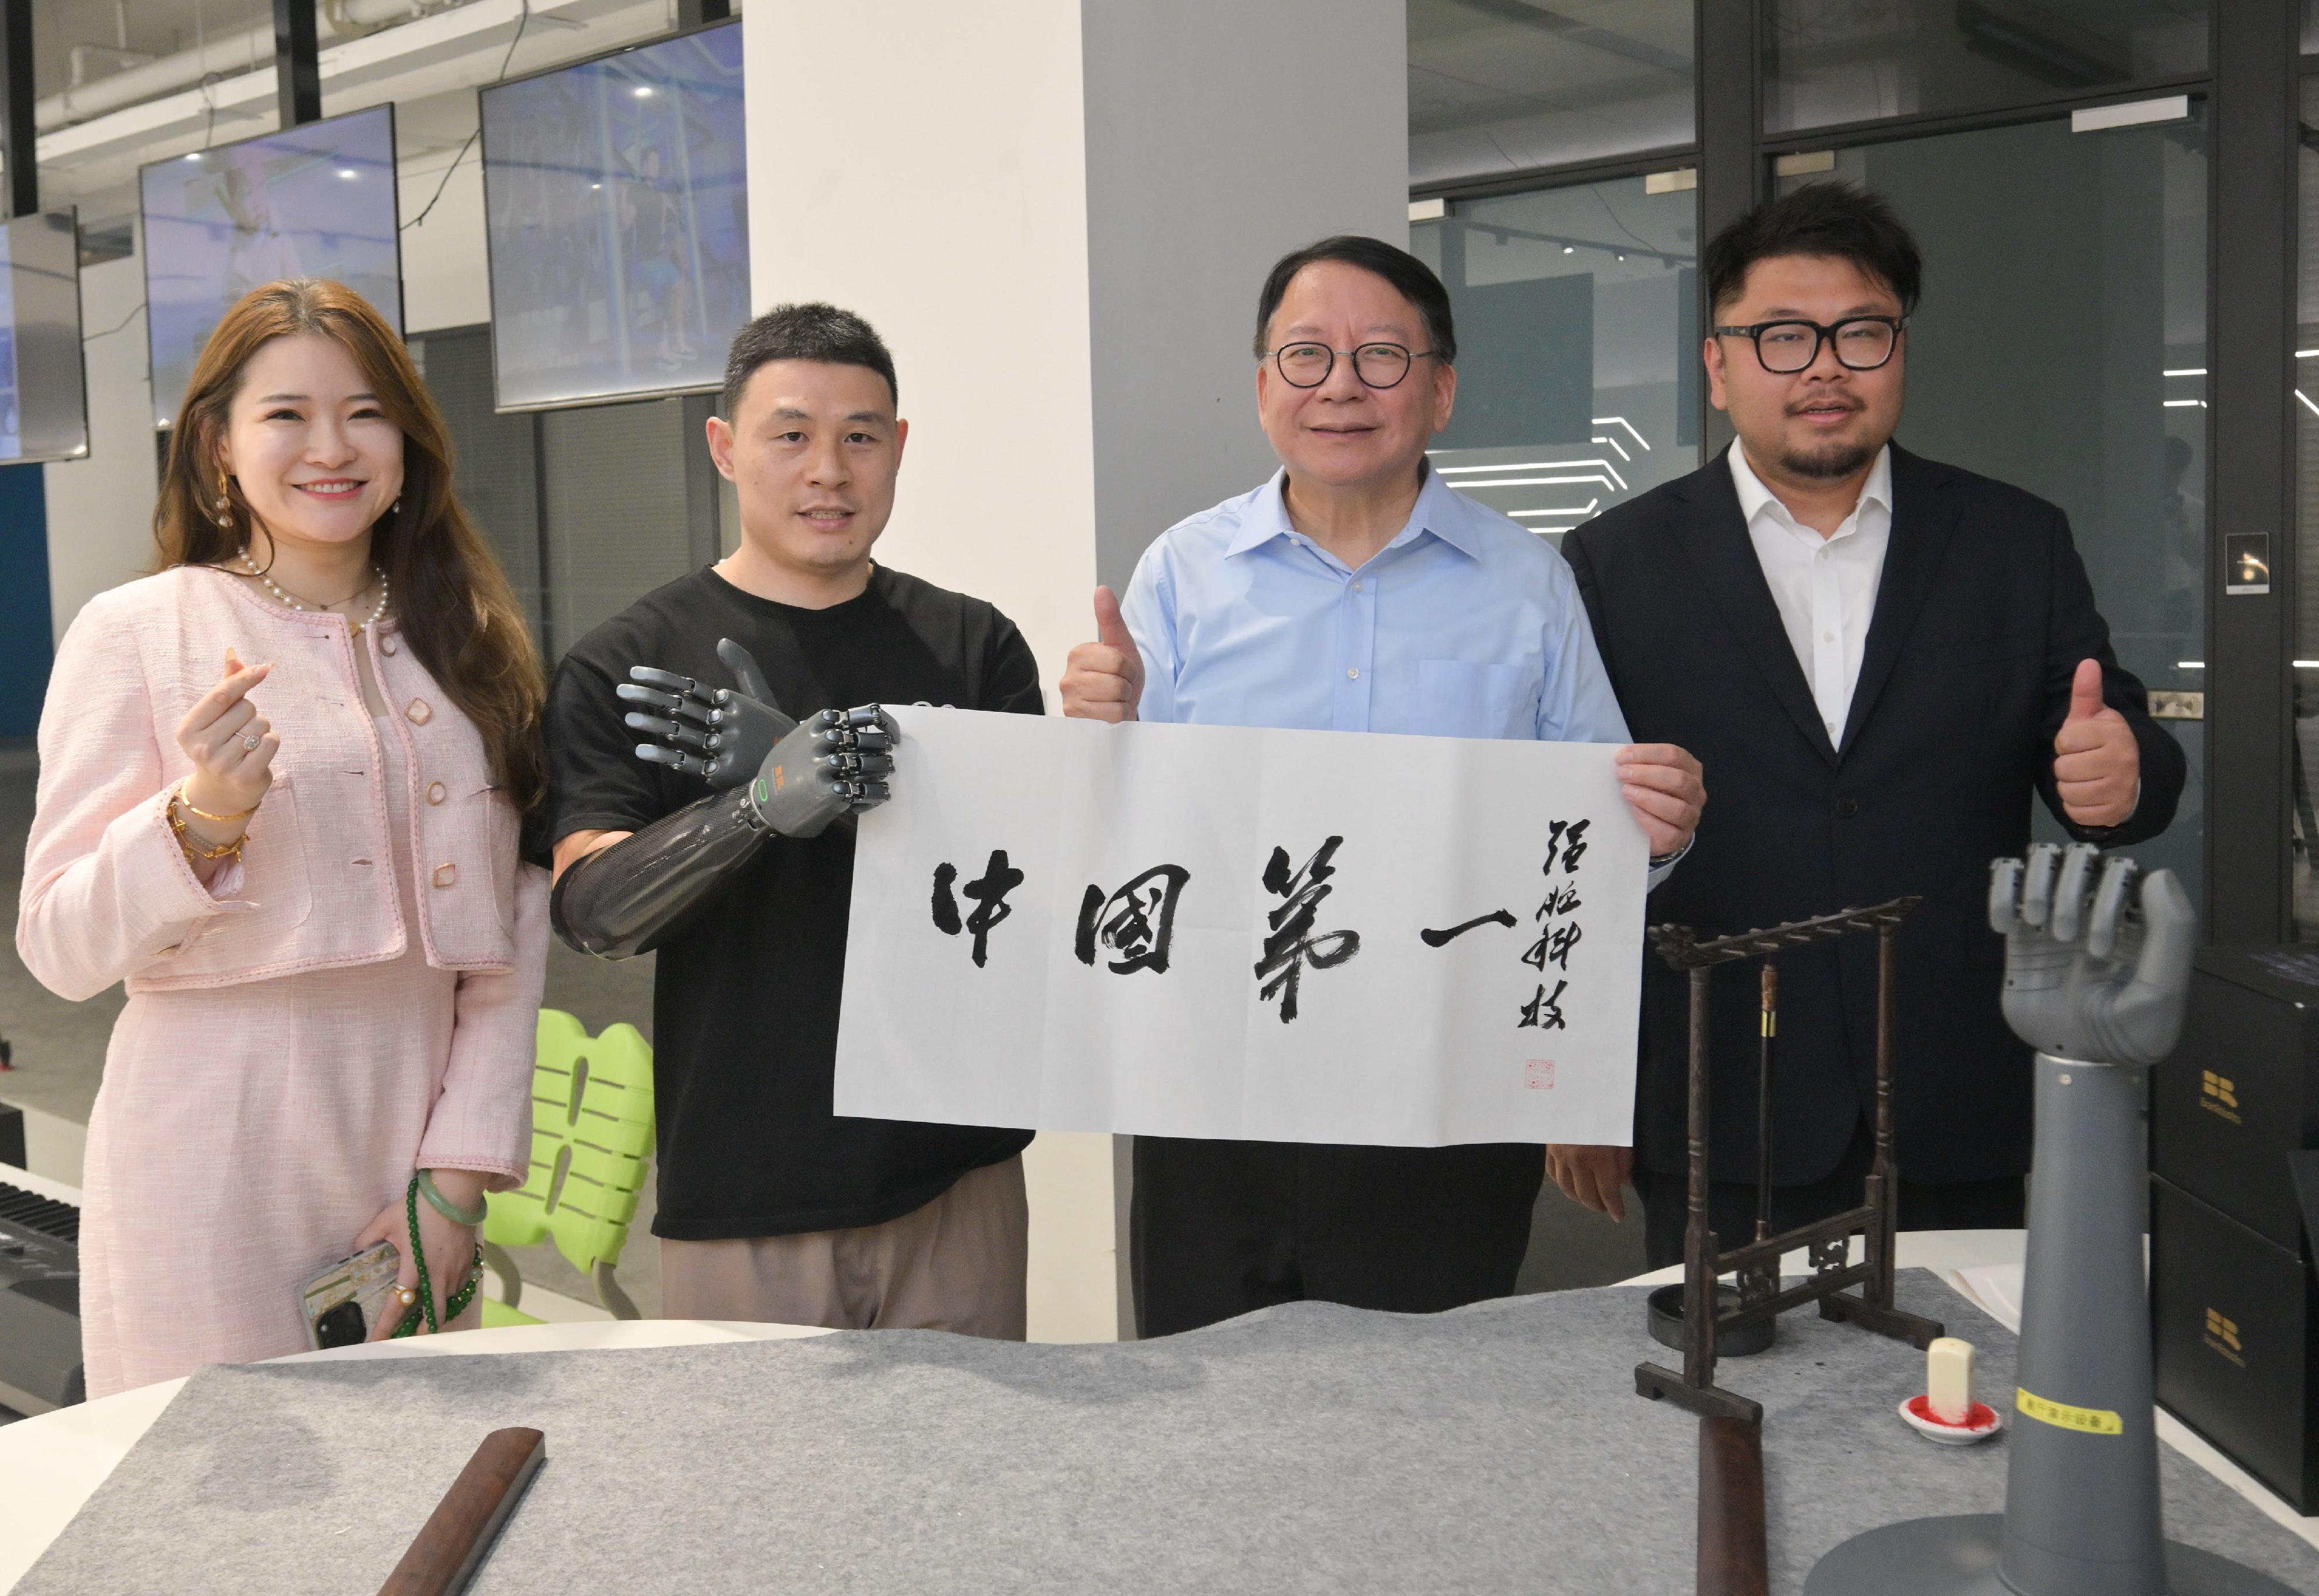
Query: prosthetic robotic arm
[(614, 903), (2103, 980)]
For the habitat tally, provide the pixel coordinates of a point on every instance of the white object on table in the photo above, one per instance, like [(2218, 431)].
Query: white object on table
[(1948, 1379), (1950, 1435), (50, 1465), (1985, 1267)]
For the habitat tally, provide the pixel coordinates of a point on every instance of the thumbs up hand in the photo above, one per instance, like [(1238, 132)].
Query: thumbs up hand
[(1103, 680), (2096, 763)]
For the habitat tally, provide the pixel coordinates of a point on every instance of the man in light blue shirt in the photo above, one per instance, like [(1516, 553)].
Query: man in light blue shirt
[(1355, 591)]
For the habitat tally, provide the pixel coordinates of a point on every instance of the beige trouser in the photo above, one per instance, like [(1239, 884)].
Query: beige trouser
[(956, 1264)]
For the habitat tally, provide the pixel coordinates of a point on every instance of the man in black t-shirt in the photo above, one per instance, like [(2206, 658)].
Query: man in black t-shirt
[(772, 1207)]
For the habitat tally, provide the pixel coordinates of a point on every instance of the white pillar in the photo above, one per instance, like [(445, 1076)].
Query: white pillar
[(100, 506), (1058, 212)]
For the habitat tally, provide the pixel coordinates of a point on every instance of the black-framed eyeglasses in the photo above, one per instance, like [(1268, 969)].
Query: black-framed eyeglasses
[(1379, 366), (1862, 343)]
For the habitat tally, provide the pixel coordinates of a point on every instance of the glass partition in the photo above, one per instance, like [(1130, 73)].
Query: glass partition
[(615, 510), (2065, 351), (1832, 61), (2304, 406), (1503, 85), (1577, 345)]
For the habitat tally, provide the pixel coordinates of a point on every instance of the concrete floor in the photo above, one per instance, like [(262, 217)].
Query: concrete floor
[(59, 1058)]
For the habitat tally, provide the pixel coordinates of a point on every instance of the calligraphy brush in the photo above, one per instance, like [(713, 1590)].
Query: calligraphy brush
[(1771, 1026)]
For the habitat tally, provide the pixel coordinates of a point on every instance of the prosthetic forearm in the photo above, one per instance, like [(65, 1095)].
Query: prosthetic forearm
[(616, 901)]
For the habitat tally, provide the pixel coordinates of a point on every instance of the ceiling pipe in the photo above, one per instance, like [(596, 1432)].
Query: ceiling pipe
[(229, 54)]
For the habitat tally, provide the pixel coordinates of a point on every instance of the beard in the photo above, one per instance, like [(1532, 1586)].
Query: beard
[(1831, 463)]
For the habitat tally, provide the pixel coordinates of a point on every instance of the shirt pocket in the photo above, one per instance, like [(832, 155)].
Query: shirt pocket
[(1465, 698)]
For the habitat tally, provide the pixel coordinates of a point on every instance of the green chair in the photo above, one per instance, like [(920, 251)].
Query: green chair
[(591, 1138)]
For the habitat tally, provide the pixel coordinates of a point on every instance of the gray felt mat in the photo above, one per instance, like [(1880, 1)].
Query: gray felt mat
[(1310, 1448)]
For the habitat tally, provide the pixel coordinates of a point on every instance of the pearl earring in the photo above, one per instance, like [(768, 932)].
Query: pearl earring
[(224, 504)]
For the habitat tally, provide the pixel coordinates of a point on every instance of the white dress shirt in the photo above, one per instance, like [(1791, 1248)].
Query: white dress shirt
[(1825, 587)]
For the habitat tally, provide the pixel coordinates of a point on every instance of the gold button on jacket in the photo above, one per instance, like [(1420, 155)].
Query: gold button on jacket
[(434, 792), (444, 874), (418, 712)]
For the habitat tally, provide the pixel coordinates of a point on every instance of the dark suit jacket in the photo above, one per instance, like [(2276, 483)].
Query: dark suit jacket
[(1980, 619)]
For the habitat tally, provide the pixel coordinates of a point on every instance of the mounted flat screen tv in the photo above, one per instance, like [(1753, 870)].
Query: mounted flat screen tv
[(616, 207), (314, 201), (44, 395)]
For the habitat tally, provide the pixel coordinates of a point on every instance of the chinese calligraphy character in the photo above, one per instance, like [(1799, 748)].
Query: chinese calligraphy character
[(1138, 922), (1434, 939), (1544, 1010), (989, 895), (1570, 837), (1292, 944), (1554, 943)]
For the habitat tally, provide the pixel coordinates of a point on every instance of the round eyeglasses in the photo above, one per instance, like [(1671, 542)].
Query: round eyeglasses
[(1379, 366), (1862, 343)]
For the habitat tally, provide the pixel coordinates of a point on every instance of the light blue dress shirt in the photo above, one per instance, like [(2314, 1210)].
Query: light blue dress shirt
[(1466, 625)]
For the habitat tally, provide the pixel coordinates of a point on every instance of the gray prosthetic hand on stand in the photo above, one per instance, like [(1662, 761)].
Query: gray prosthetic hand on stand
[(2096, 976), (618, 901)]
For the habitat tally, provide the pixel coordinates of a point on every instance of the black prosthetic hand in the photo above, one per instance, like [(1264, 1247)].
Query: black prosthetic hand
[(620, 900), (716, 733), (834, 764)]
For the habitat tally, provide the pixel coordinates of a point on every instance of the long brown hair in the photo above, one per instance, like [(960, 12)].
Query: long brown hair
[(456, 611)]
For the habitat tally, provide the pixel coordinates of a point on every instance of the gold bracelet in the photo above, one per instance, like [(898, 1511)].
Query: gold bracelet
[(201, 850), (204, 814)]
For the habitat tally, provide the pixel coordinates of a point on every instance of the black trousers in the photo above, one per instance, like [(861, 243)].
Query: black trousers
[(1997, 1204), (1219, 1229)]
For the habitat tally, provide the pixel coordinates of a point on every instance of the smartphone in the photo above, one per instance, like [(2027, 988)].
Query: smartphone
[(339, 1305)]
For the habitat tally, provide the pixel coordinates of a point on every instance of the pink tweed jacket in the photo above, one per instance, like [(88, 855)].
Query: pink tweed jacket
[(109, 896)]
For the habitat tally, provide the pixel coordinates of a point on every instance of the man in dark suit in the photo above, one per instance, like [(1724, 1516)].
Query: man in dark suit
[(1878, 659)]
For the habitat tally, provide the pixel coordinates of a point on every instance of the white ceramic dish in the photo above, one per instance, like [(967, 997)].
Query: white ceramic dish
[(1986, 1421)]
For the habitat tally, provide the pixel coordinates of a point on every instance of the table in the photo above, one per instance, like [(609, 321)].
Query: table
[(50, 1465)]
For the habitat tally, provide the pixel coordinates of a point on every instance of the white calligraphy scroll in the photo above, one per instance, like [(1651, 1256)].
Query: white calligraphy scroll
[(1521, 1028)]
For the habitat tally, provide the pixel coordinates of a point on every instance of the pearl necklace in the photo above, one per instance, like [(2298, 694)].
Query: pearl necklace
[(267, 583)]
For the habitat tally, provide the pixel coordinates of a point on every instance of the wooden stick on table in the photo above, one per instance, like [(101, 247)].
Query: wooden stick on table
[(459, 1534), (1733, 1556)]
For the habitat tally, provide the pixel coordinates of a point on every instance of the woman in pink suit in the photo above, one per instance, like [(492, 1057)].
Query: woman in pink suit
[(305, 867)]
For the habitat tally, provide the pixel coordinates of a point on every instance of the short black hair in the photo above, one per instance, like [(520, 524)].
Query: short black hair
[(1833, 221), (814, 331), (1410, 277)]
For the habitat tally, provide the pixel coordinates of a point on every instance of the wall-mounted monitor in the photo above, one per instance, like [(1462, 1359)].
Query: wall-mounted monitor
[(43, 396), (616, 207), (314, 201)]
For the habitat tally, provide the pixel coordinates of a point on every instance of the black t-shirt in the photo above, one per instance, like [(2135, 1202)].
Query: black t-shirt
[(744, 999)]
